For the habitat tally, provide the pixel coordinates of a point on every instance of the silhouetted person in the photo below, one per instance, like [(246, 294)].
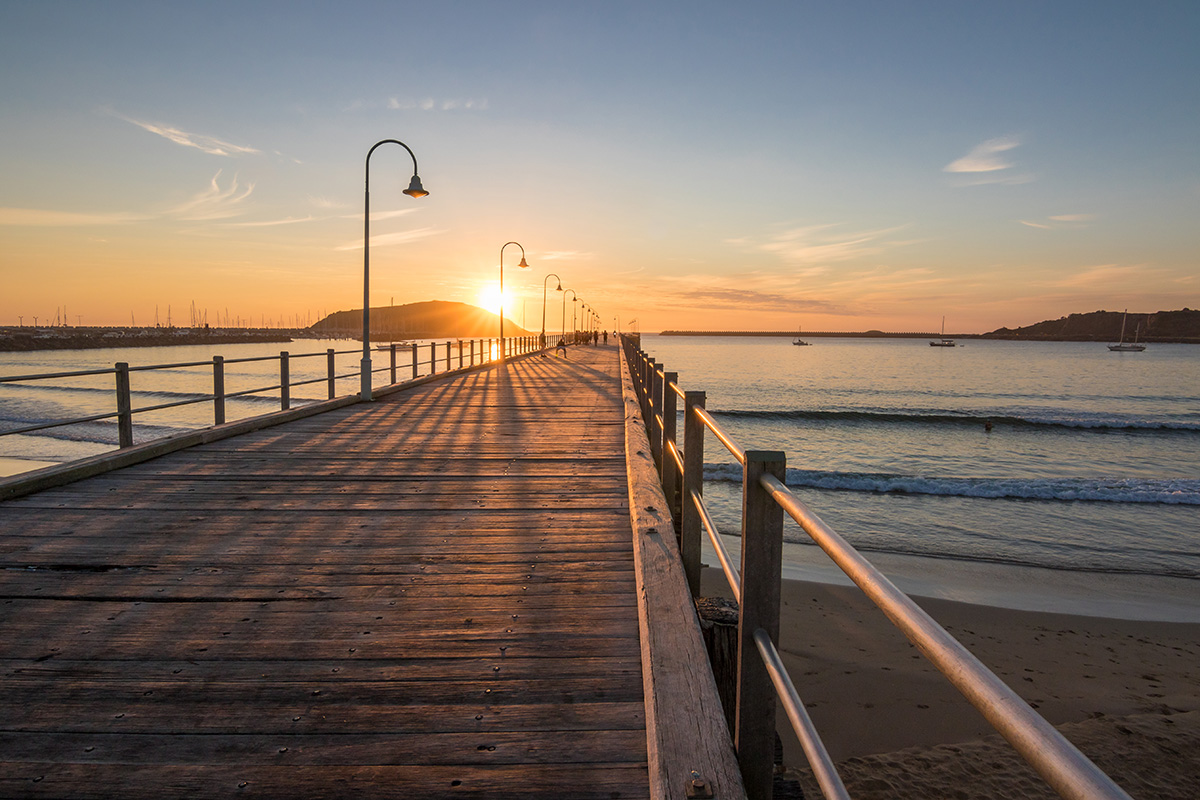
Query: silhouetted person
[(561, 347)]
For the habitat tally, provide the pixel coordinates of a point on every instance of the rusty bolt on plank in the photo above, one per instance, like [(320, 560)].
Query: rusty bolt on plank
[(698, 787)]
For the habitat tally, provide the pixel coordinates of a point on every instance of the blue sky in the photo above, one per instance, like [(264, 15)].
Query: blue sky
[(842, 166)]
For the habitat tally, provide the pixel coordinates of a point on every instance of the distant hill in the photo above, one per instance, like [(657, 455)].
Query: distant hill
[(433, 319), (1105, 326)]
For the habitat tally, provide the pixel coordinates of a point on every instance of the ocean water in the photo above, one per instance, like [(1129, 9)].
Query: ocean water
[(1091, 463), (29, 403)]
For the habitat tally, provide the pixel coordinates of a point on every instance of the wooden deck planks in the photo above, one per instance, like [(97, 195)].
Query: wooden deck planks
[(427, 595)]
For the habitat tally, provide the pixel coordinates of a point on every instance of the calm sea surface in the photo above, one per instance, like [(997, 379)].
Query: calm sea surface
[(30, 403), (1092, 462)]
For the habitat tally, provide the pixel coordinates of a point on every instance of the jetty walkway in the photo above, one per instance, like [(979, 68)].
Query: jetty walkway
[(435, 594)]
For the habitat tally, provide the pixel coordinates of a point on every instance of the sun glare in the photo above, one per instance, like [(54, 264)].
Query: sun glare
[(490, 298)]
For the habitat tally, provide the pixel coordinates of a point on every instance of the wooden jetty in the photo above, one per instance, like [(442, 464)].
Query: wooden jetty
[(441, 593)]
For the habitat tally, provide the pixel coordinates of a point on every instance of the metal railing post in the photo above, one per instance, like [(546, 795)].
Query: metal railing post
[(285, 380), (447, 356), (670, 470), (762, 554), (460, 354), (433, 358), (472, 352), (691, 528), (414, 360), (124, 406), (330, 365), (218, 390), (393, 348)]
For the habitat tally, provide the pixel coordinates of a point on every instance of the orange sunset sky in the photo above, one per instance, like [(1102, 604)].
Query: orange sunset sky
[(836, 166)]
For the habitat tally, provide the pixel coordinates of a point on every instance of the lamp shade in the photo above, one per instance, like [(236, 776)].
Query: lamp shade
[(524, 264), (415, 189)]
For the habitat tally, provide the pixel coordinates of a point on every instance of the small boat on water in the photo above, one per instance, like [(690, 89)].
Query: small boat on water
[(1131, 347), (800, 342), (943, 341)]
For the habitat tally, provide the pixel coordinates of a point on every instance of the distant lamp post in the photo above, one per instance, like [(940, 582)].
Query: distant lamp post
[(574, 324), (564, 311), (558, 289), (414, 190), (522, 265)]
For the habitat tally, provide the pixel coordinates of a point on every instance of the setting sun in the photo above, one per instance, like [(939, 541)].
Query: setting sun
[(490, 298)]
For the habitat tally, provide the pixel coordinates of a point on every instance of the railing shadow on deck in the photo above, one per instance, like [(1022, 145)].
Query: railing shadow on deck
[(421, 362), (761, 675)]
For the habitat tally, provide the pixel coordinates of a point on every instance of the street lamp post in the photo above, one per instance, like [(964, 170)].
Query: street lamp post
[(414, 190), (543, 341), (574, 324), (522, 265), (564, 311)]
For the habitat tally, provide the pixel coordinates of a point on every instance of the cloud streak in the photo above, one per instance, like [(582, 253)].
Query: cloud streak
[(988, 164), (44, 218), (385, 239), (818, 245), (214, 202), (208, 144)]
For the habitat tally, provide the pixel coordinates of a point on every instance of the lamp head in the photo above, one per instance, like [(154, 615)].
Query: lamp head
[(524, 264), (558, 288), (415, 189)]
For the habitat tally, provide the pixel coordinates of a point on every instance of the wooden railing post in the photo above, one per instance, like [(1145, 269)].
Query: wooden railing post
[(330, 367), (218, 390), (656, 400), (670, 470), (393, 348), (447, 356), (762, 552), (124, 406), (693, 485), (285, 380), (472, 352), (414, 361), (460, 354)]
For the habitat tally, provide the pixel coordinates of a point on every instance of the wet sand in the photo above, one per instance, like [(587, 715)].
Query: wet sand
[(1126, 691)]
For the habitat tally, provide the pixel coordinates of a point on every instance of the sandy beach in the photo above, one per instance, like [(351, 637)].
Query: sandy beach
[(1126, 692)]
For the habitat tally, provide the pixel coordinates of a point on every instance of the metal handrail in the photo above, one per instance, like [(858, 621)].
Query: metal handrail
[(47, 375), (723, 437), (814, 749), (1061, 764), (731, 573), (1066, 769)]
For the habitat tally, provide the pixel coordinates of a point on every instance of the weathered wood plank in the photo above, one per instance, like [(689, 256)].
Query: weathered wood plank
[(432, 593)]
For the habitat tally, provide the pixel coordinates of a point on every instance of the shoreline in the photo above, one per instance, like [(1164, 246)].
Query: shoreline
[(871, 694), (1120, 596)]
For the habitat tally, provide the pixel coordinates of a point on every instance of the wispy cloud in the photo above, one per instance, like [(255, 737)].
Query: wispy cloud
[(746, 300), (44, 218), (209, 144), (325, 202), (822, 244), (564, 255), (1100, 275), (381, 215), (986, 161), (1059, 221), (214, 202), (985, 157), (400, 237), (430, 104), (271, 223)]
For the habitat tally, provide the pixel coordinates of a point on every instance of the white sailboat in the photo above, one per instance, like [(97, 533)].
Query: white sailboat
[(943, 341), (1132, 347)]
